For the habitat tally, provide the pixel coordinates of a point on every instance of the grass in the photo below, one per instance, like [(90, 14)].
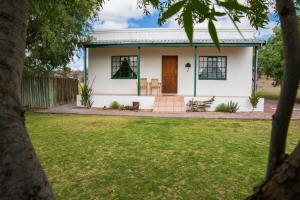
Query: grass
[(98, 157), (273, 93)]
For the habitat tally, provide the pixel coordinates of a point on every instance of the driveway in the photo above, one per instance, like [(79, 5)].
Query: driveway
[(270, 107)]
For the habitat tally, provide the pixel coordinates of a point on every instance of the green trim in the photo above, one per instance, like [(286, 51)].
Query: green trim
[(138, 75), (125, 45), (212, 79), (84, 65), (195, 71), (221, 79), (254, 69), (123, 78)]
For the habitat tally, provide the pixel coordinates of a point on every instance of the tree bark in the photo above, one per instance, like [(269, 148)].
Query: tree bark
[(281, 118), (21, 175), (285, 181)]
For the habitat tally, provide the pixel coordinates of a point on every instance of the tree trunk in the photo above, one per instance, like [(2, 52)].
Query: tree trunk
[(283, 173), (281, 118), (285, 181), (21, 175)]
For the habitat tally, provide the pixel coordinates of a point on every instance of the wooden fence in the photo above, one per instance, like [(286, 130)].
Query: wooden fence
[(46, 92)]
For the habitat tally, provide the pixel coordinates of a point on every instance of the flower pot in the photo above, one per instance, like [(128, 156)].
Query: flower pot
[(136, 105)]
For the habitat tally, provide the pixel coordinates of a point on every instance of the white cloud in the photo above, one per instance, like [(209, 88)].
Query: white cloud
[(117, 13), (225, 22), (268, 30), (222, 22)]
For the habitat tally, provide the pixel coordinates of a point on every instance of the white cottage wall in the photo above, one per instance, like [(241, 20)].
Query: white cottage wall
[(237, 84), (99, 70), (151, 65), (239, 73)]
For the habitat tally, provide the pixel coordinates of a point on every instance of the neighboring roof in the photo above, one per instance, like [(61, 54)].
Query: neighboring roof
[(171, 37)]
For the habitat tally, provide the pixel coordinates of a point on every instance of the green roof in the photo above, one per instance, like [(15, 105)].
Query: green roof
[(174, 43)]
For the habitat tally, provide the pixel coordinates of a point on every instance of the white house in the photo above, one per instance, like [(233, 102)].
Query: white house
[(119, 61)]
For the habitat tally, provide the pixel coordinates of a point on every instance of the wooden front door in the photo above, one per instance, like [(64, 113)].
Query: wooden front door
[(169, 74)]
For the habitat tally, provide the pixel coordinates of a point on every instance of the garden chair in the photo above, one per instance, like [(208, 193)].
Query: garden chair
[(143, 85), (154, 84)]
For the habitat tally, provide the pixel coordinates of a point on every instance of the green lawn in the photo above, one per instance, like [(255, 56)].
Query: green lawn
[(97, 157), (273, 93)]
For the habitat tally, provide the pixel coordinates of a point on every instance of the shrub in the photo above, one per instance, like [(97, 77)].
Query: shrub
[(221, 108), (86, 93), (254, 99), (122, 107), (115, 105), (230, 107)]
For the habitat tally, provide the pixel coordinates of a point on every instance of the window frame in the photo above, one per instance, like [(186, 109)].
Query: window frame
[(123, 78), (207, 78)]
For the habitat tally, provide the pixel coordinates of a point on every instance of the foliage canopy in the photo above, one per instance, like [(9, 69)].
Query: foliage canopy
[(190, 12), (55, 30), (271, 59)]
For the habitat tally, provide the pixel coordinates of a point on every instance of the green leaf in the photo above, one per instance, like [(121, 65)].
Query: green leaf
[(188, 23), (154, 3), (213, 33), (172, 10), (234, 23), (220, 14), (233, 5), (200, 6)]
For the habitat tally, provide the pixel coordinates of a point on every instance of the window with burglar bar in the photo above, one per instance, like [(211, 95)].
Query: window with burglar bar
[(124, 67), (212, 67)]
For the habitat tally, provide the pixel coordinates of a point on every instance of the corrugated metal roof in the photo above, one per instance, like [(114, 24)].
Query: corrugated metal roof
[(174, 43), (205, 41), (172, 37)]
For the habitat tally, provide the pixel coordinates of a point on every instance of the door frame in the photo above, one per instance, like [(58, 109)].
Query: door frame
[(162, 74)]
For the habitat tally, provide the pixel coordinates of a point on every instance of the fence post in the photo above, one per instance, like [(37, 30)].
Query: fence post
[(85, 70)]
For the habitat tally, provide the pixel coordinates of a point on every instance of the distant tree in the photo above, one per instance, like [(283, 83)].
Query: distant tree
[(66, 71), (271, 61), (56, 29)]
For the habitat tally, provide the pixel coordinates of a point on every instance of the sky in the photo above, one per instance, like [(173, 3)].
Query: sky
[(123, 14)]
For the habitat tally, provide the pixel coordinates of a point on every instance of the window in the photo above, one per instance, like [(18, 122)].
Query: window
[(124, 67), (212, 68)]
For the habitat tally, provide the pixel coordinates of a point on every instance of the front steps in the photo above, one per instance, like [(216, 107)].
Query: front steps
[(169, 104)]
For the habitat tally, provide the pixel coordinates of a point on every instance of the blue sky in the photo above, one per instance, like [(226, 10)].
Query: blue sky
[(122, 14), (145, 22)]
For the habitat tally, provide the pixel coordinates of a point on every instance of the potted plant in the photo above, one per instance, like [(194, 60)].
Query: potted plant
[(254, 99), (136, 105)]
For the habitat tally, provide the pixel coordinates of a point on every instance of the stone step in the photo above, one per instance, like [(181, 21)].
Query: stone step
[(169, 104)]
